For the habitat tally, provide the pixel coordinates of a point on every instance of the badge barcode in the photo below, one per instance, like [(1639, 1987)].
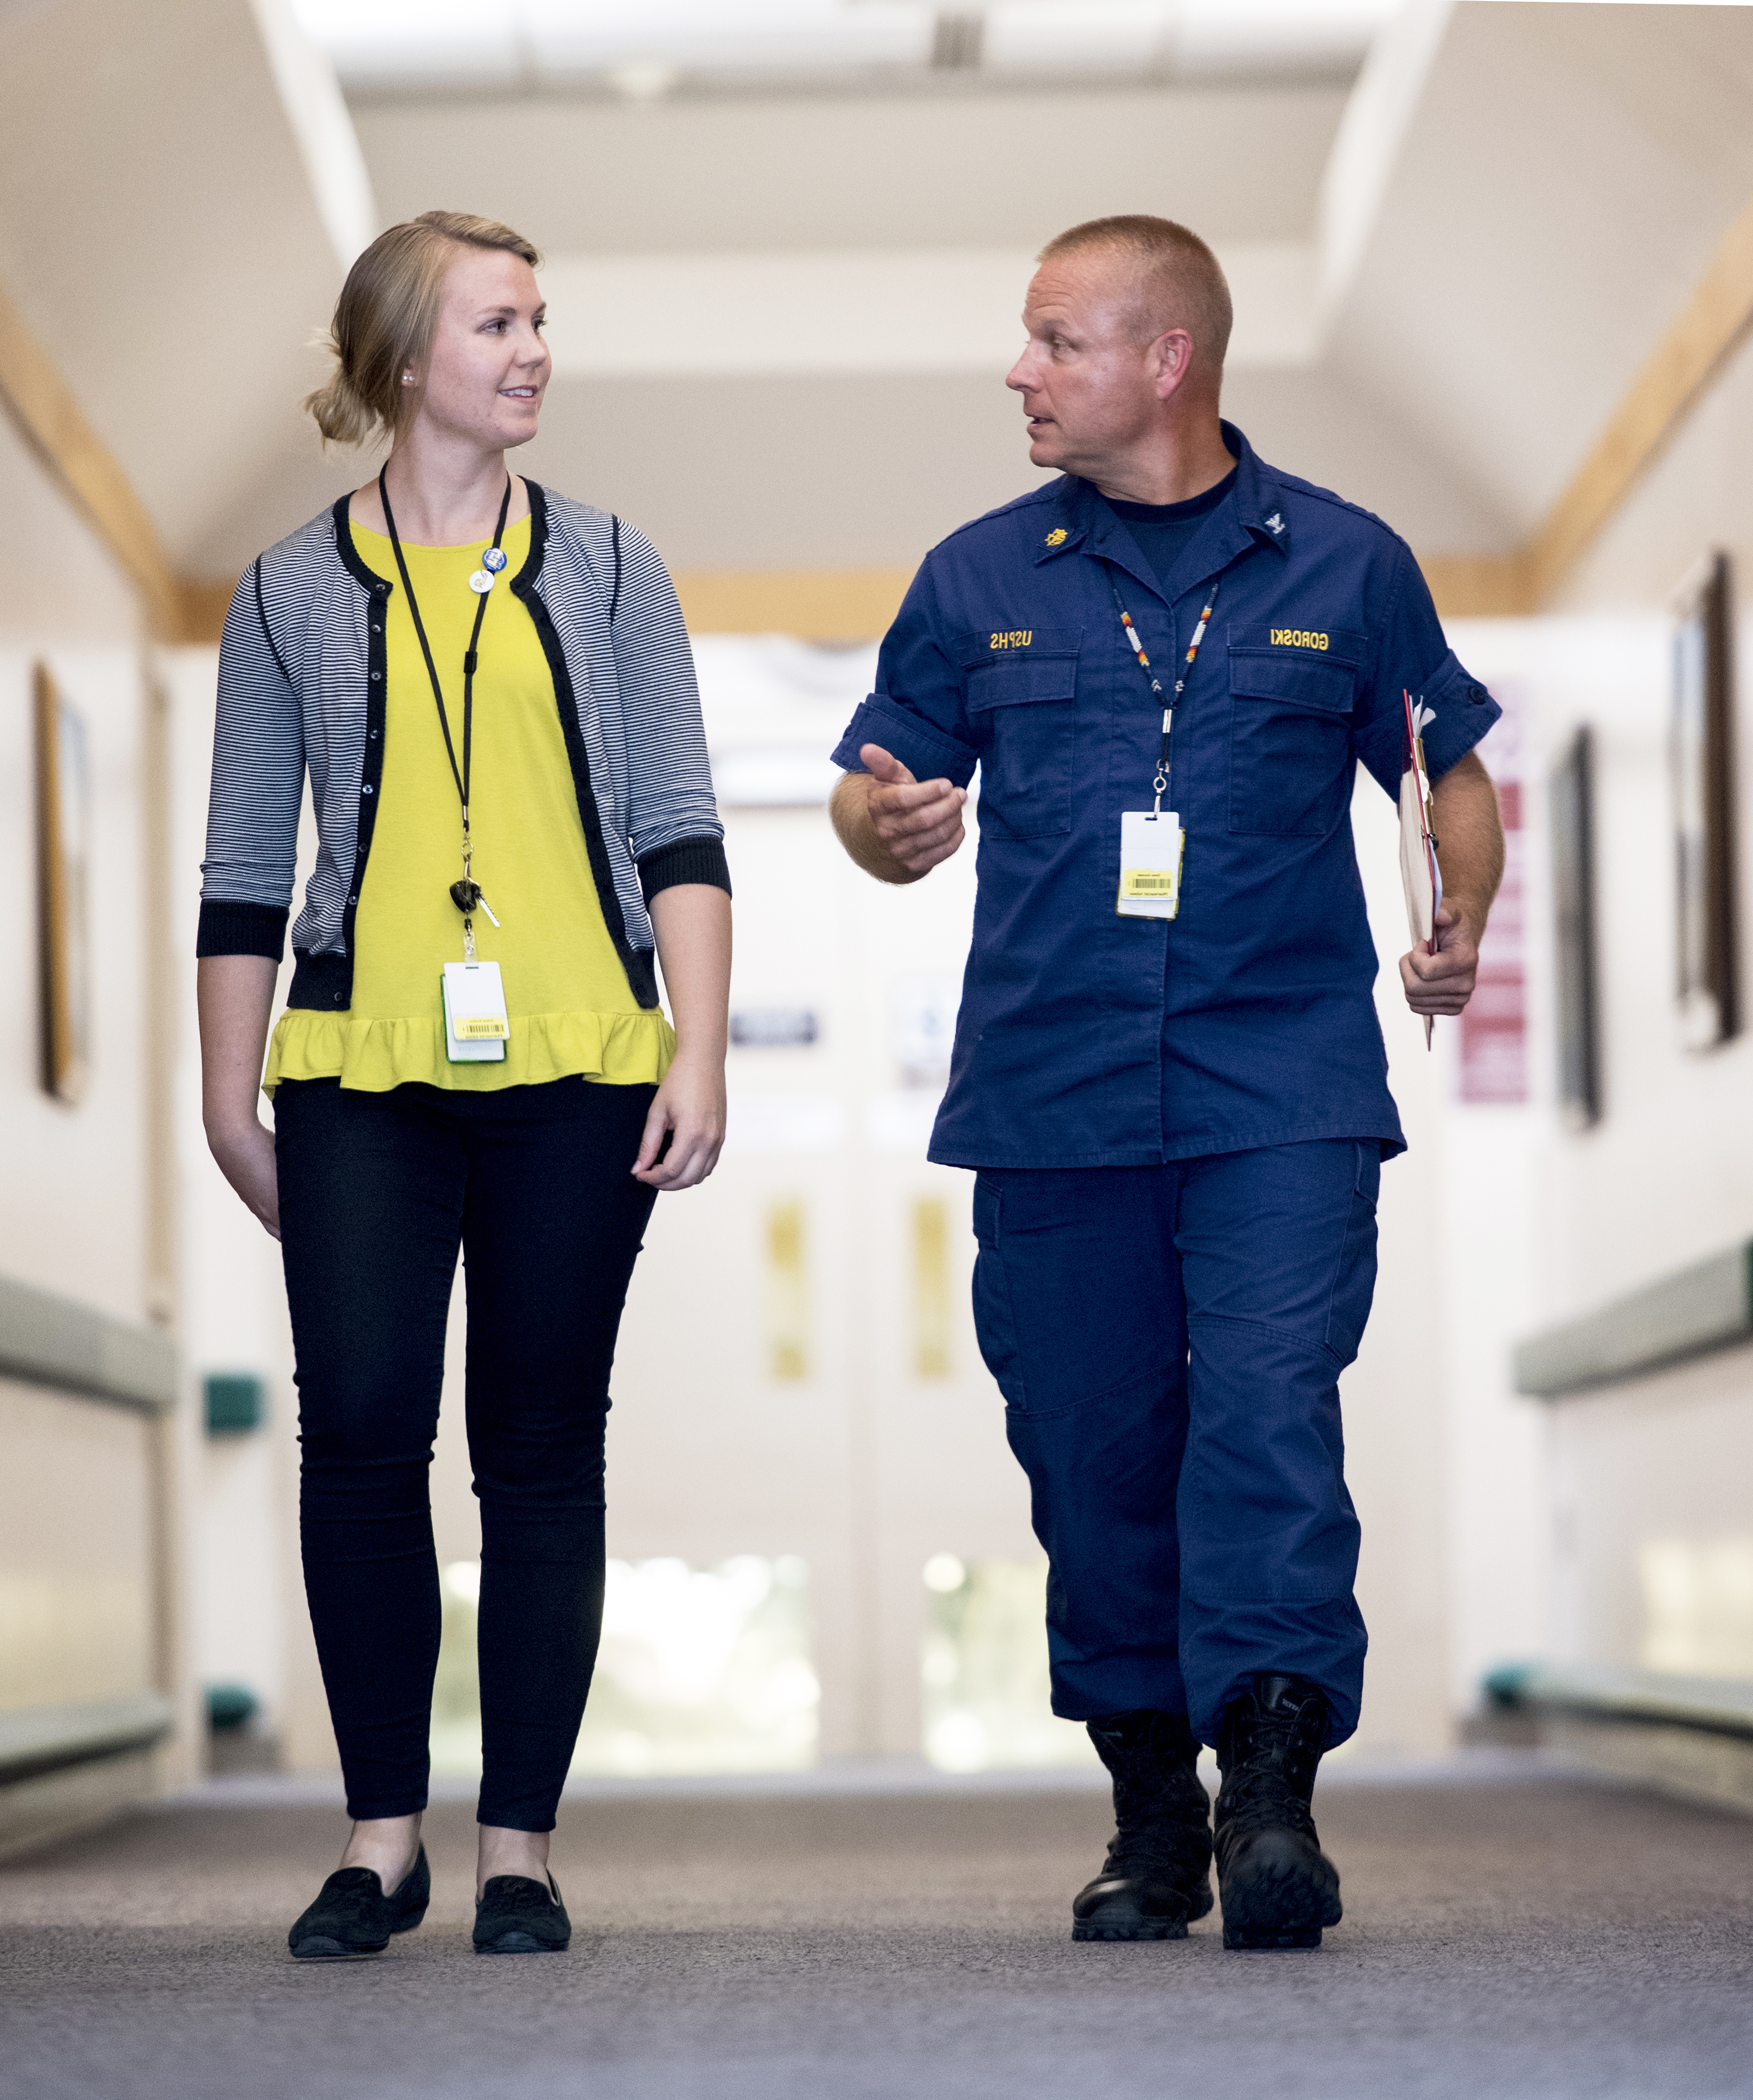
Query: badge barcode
[(480, 1028), (1149, 882)]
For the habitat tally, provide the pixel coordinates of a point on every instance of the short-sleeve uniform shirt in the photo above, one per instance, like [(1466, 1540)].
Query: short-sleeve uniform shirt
[(1085, 1038)]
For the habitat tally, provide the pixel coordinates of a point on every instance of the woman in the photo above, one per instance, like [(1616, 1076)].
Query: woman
[(491, 689)]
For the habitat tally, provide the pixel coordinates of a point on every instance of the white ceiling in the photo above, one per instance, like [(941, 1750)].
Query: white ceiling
[(166, 240), (837, 172), (645, 47), (1445, 281), (861, 311), (1564, 176)]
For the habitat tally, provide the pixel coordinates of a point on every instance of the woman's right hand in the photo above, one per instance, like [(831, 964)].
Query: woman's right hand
[(245, 1155), (235, 995)]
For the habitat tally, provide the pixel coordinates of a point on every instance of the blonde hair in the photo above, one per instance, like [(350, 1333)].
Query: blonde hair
[(1180, 283), (385, 319)]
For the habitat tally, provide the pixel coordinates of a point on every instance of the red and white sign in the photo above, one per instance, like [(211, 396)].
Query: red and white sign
[(1493, 1029)]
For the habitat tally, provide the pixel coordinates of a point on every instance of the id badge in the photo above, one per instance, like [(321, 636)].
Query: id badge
[(1151, 851), (475, 1026)]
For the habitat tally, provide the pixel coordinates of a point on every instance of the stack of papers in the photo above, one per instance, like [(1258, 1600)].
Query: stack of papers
[(1417, 850)]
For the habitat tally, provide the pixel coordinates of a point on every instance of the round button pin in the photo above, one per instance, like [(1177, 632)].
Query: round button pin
[(494, 559), (481, 581)]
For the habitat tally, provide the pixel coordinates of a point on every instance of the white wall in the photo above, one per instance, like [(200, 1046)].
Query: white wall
[(82, 1229), (1664, 1179), (249, 1624), (87, 1561)]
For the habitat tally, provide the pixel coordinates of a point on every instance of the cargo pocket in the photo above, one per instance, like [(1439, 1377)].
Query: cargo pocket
[(994, 1319), (1354, 1281), (1024, 709), (1290, 741)]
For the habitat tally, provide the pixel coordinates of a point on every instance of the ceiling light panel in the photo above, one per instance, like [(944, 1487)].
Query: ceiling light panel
[(417, 42), (727, 36), (1273, 36), (493, 42), (459, 42), (1060, 37), (1114, 36)]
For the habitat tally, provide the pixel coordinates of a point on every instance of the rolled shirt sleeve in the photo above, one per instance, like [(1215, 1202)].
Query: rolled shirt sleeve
[(1413, 656), (919, 711)]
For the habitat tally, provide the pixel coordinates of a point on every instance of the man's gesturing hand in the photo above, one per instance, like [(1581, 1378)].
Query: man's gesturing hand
[(1442, 981), (894, 826)]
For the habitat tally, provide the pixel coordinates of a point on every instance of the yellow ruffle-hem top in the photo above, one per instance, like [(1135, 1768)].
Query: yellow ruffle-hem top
[(570, 1008)]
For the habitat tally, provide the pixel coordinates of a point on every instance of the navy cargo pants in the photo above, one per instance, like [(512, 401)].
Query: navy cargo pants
[(1168, 1341)]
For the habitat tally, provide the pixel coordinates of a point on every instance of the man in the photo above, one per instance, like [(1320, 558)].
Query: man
[(1177, 1121)]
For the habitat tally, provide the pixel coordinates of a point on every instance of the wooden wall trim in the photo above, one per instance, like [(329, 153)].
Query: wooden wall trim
[(821, 605), (204, 607), (1478, 586), (1705, 331), (54, 425), (850, 605)]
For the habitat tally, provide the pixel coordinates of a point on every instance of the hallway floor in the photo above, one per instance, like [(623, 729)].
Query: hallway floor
[(1512, 1933)]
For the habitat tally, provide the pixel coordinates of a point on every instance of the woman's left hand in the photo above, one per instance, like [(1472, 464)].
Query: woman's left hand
[(689, 1108)]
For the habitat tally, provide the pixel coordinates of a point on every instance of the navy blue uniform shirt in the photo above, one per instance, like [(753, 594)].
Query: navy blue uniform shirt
[(1088, 1039)]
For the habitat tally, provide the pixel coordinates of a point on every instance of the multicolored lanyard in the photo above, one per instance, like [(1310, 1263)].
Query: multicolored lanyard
[(1161, 782)]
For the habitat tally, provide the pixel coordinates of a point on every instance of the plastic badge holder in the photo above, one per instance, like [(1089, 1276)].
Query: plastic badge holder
[(475, 1026)]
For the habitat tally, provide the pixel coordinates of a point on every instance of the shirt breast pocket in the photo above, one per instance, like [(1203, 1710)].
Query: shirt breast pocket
[(1290, 741), (1024, 709)]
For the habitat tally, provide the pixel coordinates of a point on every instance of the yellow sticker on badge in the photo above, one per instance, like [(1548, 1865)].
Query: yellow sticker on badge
[(1151, 847)]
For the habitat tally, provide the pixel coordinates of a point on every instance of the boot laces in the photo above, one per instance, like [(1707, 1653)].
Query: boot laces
[(1272, 1780), (1161, 1817), (1161, 1812)]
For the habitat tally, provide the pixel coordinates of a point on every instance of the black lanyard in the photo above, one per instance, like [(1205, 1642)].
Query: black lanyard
[(466, 893), (1169, 705)]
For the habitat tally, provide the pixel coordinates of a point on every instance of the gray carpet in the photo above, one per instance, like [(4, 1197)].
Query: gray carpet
[(1537, 1936)]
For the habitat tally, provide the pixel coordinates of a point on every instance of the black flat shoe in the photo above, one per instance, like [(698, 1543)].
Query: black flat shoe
[(518, 1915), (353, 1916)]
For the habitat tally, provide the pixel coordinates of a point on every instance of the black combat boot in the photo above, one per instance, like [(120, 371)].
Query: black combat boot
[(1158, 1873), (1278, 1888)]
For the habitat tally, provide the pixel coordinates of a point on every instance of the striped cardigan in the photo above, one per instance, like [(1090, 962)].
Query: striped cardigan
[(302, 675)]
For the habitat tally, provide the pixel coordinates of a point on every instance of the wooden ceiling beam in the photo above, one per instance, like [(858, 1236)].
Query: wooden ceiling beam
[(839, 605), (1705, 333), (54, 425)]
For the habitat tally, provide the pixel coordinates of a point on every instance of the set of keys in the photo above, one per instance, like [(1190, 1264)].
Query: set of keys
[(466, 896)]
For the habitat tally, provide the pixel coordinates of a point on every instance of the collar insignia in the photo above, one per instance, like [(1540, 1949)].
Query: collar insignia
[(1275, 523), (1058, 536)]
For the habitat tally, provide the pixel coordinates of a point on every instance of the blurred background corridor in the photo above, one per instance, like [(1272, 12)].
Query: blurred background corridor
[(1492, 263)]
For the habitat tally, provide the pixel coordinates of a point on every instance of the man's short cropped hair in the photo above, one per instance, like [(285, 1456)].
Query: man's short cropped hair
[(1180, 283)]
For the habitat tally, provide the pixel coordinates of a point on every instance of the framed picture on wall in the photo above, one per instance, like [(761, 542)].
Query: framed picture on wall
[(1702, 761), (1573, 822), (63, 832)]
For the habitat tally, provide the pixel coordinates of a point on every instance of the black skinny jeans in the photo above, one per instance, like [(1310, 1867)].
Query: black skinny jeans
[(377, 1191)]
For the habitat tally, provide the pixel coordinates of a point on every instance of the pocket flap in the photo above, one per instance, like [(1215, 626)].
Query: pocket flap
[(1016, 681), (1300, 681)]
